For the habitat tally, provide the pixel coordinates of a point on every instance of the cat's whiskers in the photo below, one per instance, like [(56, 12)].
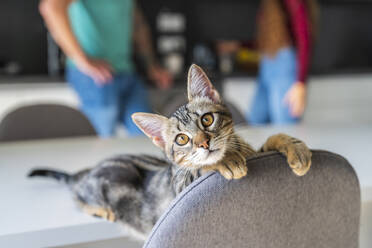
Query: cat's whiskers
[(194, 157), (224, 135), (221, 141), (238, 145)]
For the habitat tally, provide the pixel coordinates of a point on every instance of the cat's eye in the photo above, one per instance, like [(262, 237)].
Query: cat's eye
[(182, 139), (207, 119)]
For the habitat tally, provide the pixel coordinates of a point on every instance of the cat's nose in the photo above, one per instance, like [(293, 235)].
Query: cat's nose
[(204, 144), (201, 140)]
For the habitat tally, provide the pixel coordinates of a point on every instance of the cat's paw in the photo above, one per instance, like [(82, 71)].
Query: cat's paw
[(233, 169), (100, 212), (233, 166), (299, 158)]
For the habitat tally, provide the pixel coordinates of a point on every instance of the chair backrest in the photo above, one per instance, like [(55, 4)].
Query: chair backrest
[(43, 121), (270, 207)]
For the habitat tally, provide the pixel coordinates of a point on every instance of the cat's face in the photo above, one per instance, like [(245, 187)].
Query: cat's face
[(196, 134)]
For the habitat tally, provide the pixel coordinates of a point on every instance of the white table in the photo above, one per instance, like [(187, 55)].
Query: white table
[(41, 213)]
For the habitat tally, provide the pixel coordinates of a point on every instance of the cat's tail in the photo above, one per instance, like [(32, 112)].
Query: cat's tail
[(55, 174)]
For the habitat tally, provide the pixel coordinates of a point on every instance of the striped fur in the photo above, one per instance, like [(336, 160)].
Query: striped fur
[(135, 190)]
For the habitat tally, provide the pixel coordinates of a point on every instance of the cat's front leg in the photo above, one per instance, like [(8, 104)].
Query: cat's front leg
[(233, 166), (101, 212), (297, 153)]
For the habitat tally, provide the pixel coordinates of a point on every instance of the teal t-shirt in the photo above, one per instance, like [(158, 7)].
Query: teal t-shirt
[(104, 30)]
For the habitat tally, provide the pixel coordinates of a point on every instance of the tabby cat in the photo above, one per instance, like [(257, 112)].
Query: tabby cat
[(199, 137)]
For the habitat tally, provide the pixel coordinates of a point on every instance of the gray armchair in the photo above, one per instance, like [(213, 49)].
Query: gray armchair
[(271, 207)]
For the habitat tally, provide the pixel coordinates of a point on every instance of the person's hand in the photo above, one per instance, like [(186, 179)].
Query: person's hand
[(98, 69), (295, 98), (162, 78)]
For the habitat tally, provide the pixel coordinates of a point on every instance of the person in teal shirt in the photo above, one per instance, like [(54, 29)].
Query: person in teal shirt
[(96, 36)]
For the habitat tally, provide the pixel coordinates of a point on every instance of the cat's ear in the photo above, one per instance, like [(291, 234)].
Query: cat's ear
[(152, 125), (199, 85)]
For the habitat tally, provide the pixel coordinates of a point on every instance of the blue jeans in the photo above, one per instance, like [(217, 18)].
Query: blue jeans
[(114, 102), (276, 76)]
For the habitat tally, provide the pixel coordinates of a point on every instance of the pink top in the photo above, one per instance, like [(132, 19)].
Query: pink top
[(299, 22)]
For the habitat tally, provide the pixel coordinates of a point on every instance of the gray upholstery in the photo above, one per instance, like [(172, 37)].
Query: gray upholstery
[(270, 207), (44, 121)]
